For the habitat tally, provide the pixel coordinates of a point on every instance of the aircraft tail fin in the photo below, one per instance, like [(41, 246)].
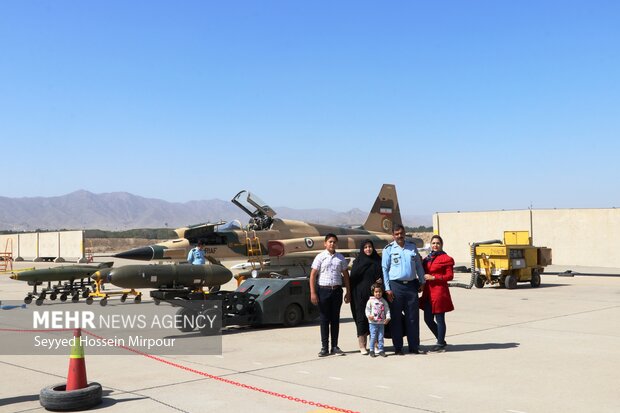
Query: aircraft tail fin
[(385, 212)]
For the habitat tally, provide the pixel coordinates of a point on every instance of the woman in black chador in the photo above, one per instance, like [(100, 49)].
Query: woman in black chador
[(365, 272)]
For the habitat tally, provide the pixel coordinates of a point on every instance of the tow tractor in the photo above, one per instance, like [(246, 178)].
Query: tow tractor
[(513, 261), (257, 301)]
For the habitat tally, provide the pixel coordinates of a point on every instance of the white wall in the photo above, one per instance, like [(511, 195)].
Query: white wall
[(585, 237), (58, 245)]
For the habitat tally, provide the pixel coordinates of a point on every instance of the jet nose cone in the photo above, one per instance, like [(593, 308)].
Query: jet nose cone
[(142, 253)]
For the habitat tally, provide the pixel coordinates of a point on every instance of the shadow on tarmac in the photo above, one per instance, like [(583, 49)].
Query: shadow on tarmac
[(107, 402), (481, 346), (19, 399)]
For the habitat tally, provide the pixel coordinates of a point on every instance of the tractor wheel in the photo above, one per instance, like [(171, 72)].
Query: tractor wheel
[(292, 315), (535, 281), (480, 281), (510, 282), (187, 320), (211, 322)]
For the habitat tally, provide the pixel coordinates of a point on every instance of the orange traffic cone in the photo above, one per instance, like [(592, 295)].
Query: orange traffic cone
[(76, 378)]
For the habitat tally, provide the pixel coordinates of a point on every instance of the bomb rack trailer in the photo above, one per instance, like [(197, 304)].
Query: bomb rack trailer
[(257, 301)]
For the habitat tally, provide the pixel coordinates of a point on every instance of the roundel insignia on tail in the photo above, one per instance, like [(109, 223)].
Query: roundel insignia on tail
[(309, 242), (386, 224)]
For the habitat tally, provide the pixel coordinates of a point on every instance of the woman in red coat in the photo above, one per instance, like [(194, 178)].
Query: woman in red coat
[(436, 300)]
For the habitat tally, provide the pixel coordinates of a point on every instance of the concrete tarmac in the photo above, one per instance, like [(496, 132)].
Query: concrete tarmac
[(550, 349)]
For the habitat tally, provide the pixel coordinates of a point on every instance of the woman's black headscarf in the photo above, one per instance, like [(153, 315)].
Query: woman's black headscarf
[(365, 262)]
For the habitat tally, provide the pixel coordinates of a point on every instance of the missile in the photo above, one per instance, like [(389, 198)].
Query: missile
[(63, 273), (168, 250), (165, 276)]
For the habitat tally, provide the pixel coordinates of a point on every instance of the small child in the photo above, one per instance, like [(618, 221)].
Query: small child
[(378, 313)]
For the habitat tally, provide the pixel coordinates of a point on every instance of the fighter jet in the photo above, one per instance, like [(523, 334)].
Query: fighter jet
[(267, 239)]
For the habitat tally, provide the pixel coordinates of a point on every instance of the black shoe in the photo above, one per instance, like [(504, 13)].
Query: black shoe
[(417, 351), (337, 352), (399, 353), (323, 352), (439, 348), (382, 354), (372, 354)]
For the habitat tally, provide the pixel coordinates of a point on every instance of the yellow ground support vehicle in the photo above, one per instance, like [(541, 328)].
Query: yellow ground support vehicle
[(508, 263)]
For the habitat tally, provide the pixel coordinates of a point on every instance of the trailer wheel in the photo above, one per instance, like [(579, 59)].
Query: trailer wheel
[(89, 301), (57, 398), (187, 321), (480, 281), (211, 323), (292, 315), (63, 297), (510, 282), (535, 281), (28, 300)]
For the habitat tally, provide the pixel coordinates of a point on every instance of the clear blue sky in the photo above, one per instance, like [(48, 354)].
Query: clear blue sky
[(464, 105)]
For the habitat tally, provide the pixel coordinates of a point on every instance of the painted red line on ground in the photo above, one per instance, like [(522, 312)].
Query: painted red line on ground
[(227, 381), (191, 370)]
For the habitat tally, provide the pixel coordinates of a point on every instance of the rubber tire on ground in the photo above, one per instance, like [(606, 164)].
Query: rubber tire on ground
[(190, 314), (53, 296), (292, 315), (89, 300), (511, 282), (28, 300), (103, 302), (535, 281), (137, 299), (209, 314), (56, 398), (480, 281), (63, 297)]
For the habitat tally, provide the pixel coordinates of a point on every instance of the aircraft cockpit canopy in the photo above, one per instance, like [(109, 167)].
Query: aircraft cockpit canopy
[(261, 214)]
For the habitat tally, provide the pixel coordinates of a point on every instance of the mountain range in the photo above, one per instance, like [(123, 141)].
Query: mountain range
[(119, 211)]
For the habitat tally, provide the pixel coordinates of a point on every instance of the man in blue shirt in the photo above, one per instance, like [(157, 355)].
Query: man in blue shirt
[(403, 276), (196, 255)]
